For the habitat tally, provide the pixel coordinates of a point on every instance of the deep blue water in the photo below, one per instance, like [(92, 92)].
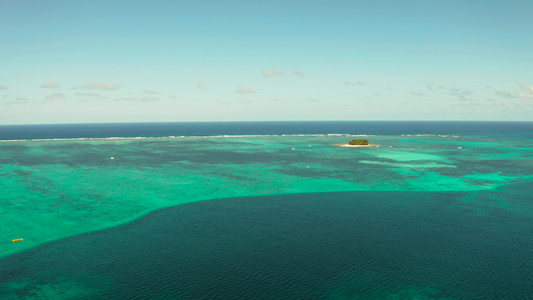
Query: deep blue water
[(15, 132), (353, 245)]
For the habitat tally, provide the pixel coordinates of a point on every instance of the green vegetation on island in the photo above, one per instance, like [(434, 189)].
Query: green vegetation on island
[(359, 142)]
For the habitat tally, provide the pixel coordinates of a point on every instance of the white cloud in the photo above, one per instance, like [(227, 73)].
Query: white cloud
[(454, 91), (430, 85), (351, 83), (417, 93), (3, 87), (141, 99), (149, 99), (101, 86), (244, 90), (527, 90), (87, 94), (150, 92), (21, 100), (525, 95), (54, 96), (301, 74), (503, 93), (465, 98), (127, 99), (201, 86), (50, 84), (271, 73)]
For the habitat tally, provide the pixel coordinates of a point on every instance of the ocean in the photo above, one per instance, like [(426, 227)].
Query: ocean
[(267, 210)]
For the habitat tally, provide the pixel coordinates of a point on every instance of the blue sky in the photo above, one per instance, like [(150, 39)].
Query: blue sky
[(149, 61)]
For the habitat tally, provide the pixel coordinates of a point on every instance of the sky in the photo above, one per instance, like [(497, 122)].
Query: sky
[(246, 60)]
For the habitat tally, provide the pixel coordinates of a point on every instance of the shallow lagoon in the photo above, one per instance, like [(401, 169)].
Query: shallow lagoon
[(55, 189)]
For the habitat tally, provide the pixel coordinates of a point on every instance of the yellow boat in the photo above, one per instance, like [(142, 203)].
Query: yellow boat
[(17, 240)]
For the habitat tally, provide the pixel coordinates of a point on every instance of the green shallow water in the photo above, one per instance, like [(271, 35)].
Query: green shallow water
[(55, 189)]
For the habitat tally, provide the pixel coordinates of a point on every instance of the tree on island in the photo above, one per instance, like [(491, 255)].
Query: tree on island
[(358, 142)]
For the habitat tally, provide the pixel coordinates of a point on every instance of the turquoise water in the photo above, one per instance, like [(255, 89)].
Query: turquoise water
[(468, 192)]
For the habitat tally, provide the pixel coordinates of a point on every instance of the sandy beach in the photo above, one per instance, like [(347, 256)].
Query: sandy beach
[(357, 146)]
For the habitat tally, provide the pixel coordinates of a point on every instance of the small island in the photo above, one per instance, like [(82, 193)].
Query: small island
[(357, 143)]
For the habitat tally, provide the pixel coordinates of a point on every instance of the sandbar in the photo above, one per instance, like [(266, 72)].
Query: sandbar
[(357, 146)]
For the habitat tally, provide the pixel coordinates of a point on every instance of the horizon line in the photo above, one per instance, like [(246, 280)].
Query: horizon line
[(266, 121)]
